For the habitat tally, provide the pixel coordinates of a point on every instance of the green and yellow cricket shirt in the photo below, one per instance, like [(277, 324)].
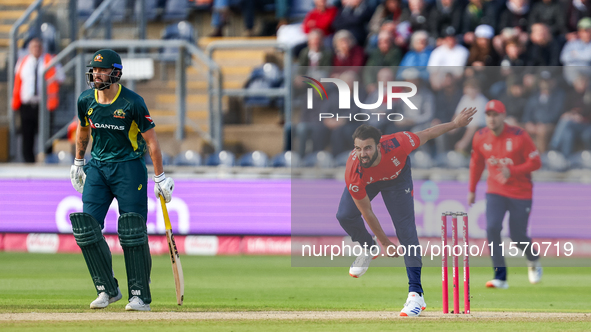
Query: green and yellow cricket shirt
[(116, 127)]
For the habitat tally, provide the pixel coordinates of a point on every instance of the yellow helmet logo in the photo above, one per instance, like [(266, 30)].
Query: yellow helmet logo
[(98, 58), (90, 110), (140, 187)]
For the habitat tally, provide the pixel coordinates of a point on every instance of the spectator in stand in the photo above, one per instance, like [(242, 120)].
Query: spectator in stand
[(514, 100), (515, 14), (416, 14), (549, 12), (311, 134), (400, 33), (542, 49), (389, 11), (386, 55), (575, 123), (446, 99), (419, 54), (577, 9), (513, 55), (473, 97), (340, 138), (28, 80), (353, 17), (221, 13), (346, 53), (419, 119), (321, 17), (577, 52), (477, 12), (482, 52), (449, 54), (315, 54), (384, 76), (446, 13), (543, 109)]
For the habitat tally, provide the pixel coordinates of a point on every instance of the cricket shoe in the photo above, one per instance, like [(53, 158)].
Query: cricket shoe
[(415, 304), (361, 263), (103, 300), (136, 304), (497, 283), (534, 271)]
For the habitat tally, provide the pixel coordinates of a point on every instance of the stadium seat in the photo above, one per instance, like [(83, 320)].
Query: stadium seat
[(299, 8), (48, 35), (580, 159), (166, 159), (85, 8), (152, 9), (182, 30), (175, 10), (320, 159), (254, 159), (187, 158), (60, 158), (554, 161), (421, 159), (452, 159), (286, 159), (266, 76), (341, 159), (223, 158)]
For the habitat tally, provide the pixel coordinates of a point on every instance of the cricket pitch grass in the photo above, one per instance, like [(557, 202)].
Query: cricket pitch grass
[(42, 292)]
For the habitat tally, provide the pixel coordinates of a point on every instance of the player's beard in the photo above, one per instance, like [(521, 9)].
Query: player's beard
[(371, 160)]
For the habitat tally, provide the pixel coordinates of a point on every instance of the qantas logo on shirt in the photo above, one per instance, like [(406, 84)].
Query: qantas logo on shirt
[(149, 118), (105, 126)]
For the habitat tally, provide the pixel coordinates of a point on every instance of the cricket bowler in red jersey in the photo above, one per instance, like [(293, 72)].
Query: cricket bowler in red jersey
[(380, 164), (511, 156)]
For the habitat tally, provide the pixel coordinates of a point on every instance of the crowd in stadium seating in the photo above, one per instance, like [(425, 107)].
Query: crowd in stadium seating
[(529, 41)]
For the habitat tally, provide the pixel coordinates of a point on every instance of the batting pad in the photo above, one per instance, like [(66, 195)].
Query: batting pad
[(95, 250), (133, 236)]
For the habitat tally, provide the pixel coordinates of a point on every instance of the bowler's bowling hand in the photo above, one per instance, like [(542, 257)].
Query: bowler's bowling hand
[(389, 247), (471, 198), (465, 117)]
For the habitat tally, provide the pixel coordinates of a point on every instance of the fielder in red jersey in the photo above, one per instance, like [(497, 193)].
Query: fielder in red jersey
[(511, 156), (381, 165)]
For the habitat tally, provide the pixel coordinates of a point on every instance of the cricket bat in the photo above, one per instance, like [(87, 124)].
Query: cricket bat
[(177, 269)]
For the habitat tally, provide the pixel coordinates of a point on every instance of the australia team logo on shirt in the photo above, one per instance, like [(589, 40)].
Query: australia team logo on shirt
[(119, 114)]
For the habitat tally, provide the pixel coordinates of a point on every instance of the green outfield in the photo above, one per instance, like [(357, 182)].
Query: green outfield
[(60, 284)]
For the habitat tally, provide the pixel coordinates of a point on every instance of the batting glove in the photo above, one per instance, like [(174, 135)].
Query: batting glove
[(163, 187), (77, 175)]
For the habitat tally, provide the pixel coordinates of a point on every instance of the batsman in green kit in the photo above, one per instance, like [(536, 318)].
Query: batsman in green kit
[(122, 132)]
